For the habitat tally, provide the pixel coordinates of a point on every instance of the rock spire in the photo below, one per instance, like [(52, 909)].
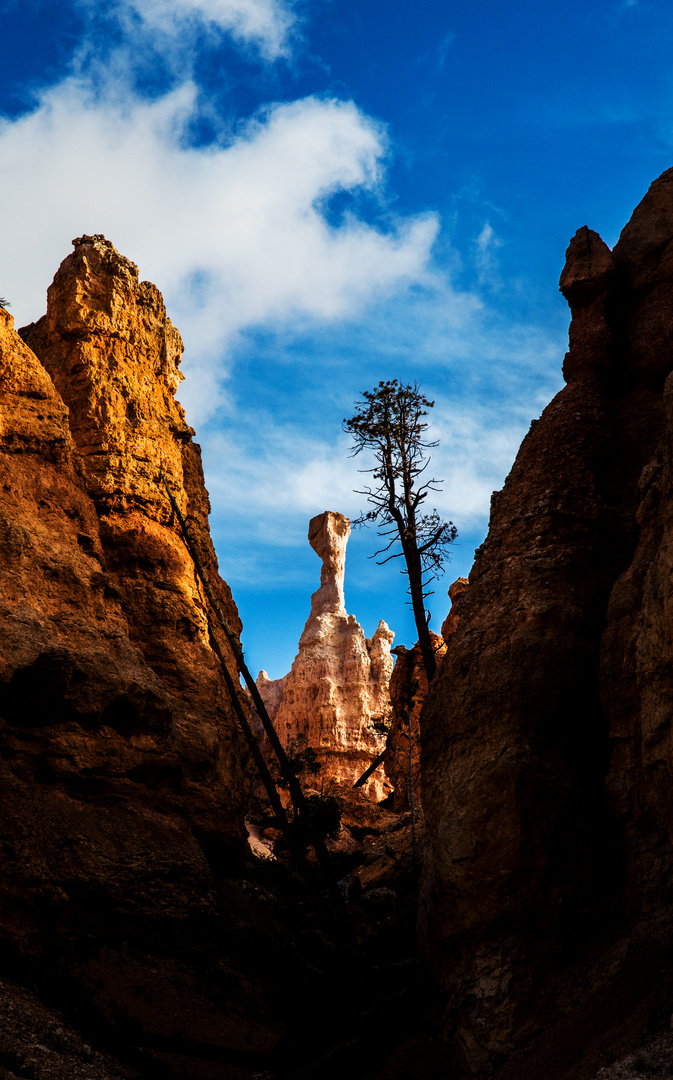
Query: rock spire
[(338, 684)]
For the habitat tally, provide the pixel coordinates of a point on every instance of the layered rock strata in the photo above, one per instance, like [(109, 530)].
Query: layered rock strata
[(338, 685), (547, 750), (123, 786)]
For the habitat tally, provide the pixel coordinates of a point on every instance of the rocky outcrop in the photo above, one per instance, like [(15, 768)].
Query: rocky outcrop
[(338, 685), (450, 624), (122, 772), (547, 753), (408, 691), (113, 357)]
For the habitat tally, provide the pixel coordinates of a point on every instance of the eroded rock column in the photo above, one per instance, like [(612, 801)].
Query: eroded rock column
[(338, 685)]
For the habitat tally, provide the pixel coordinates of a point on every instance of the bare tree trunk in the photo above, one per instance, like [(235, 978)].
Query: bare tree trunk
[(413, 561), (372, 768), (412, 802)]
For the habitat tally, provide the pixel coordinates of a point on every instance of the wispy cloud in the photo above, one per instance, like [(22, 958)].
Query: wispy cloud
[(486, 260), (296, 474), (437, 56), (487, 381), (173, 25)]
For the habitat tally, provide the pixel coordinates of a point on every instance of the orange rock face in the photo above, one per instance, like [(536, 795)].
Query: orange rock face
[(120, 764), (338, 684), (547, 753)]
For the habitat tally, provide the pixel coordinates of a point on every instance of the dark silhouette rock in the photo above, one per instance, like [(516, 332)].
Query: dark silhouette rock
[(408, 690), (546, 734)]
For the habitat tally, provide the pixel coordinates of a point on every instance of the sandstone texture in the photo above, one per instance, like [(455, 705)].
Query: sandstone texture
[(450, 624), (113, 355), (38, 1041), (408, 691), (547, 746), (338, 685), (123, 776), (139, 935)]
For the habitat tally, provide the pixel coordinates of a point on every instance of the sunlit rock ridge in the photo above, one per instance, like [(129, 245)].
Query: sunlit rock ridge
[(123, 775)]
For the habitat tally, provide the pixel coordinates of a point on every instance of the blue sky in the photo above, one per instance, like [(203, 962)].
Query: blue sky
[(328, 193)]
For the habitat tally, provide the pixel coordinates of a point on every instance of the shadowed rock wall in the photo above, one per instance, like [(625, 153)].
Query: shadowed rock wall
[(547, 746)]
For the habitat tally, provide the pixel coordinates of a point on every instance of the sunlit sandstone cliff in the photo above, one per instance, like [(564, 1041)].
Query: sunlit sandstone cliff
[(548, 756), (339, 680), (123, 788)]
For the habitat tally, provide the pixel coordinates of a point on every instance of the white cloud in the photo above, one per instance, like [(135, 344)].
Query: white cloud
[(173, 25), (236, 236), (289, 477), (233, 235), (477, 449)]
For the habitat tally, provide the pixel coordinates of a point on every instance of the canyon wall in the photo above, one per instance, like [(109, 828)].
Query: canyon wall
[(123, 776), (547, 748), (338, 684), (408, 691), (113, 356)]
